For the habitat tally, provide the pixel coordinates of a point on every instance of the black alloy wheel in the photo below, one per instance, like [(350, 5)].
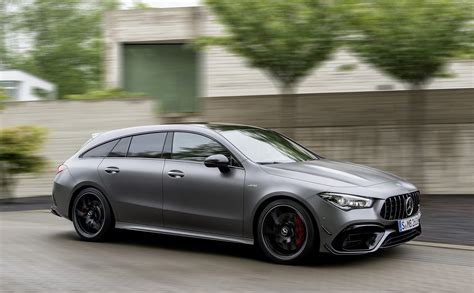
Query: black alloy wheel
[(92, 216), (286, 232)]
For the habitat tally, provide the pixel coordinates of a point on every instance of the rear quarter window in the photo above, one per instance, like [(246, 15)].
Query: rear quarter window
[(100, 151)]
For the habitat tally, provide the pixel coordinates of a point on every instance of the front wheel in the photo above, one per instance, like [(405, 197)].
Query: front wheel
[(92, 216), (285, 232)]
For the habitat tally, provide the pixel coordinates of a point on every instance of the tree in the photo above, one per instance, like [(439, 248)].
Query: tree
[(286, 39), (3, 23), (18, 148), (410, 40), (66, 42), (138, 4), (6, 23), (3, 98)]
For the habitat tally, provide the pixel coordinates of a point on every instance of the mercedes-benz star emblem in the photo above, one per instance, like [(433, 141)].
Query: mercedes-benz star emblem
[(409, 206)]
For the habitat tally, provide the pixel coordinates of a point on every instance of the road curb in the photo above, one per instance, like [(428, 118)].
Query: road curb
[(441, 245)]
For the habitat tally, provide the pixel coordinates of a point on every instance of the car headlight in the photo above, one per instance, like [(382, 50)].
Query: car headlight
[(346, 201)]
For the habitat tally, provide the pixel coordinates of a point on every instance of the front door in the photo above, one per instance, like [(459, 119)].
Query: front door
[(199, 198)]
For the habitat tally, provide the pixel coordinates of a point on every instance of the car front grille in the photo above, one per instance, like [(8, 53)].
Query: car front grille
[(395, 206)]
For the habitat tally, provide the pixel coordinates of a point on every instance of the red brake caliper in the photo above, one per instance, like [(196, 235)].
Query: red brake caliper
[(299, 231)]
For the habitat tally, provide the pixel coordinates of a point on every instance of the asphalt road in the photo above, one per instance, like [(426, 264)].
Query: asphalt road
[(445, 218), (40, 252)]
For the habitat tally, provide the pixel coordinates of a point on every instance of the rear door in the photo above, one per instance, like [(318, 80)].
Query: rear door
[(132, 175)]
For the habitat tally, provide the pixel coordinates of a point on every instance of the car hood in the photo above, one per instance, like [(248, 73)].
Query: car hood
[(331, 173)]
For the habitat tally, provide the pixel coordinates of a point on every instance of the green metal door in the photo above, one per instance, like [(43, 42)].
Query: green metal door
[(167, 72)]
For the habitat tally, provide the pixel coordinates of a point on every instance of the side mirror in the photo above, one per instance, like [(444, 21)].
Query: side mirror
[(217, 161)]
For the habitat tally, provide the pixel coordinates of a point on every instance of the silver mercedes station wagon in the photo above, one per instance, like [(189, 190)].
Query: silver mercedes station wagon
[(233, 183)]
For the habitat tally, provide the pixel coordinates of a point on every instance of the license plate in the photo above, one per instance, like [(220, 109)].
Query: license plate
[(409, 223)]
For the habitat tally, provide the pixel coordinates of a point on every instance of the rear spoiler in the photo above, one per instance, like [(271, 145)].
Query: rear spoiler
[(93, 135)]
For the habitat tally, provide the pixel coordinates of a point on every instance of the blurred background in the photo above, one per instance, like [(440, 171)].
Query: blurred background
[(388, 84), (384, 83)]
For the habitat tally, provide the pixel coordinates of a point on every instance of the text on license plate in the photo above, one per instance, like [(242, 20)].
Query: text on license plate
[(409, 223)]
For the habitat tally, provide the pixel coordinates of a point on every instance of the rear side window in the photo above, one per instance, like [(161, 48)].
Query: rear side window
[(147, 145), (100, 151), (120, 149)]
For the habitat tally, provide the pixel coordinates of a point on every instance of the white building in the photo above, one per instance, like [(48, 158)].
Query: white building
[(146, 50), (22, 86)]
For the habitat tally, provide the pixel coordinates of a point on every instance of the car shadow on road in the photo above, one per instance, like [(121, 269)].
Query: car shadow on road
[(176, 243)]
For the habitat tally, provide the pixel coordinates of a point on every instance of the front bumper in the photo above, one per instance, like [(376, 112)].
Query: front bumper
[(357, 231), (361, 239), (54, 211)]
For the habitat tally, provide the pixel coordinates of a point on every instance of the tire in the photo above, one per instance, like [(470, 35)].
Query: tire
[(92, 216), (286, 233)]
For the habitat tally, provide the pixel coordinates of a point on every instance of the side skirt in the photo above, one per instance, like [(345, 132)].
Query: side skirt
[(185, 233)]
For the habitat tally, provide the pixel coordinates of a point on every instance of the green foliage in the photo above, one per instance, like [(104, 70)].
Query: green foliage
[(137, 4), (3, 97), (18, 152), (284, 38), (410, 40), (104, 94), (466, 51), (67, 42), (347, 67)]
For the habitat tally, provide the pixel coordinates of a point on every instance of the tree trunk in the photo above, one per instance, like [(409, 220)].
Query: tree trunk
[(6, 182), (288, 110), (416, 119)]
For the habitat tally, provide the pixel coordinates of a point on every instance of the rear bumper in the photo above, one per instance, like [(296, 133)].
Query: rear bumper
[(61, 194), (57, 211)]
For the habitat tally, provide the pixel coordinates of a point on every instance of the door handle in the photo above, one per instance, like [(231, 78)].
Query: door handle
[(112, 170), (176, 174)]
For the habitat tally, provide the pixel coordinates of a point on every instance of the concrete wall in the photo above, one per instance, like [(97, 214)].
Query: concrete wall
[(372, 128), (70, 124), (368, 128)]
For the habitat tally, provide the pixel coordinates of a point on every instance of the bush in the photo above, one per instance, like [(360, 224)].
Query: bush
[(103, 94), (3, 97), (18, 153)]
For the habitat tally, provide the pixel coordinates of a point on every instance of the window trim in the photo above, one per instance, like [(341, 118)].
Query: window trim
[(169, 136), (207, 136), (118, 138)]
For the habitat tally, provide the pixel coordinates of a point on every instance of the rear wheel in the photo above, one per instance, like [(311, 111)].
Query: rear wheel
[(285, 232), (92, 215)]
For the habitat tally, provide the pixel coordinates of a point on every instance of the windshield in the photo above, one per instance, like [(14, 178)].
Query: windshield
[(266, 146)]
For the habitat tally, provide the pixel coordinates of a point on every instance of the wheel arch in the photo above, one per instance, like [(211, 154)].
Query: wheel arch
[(271, 198), (83, 186)]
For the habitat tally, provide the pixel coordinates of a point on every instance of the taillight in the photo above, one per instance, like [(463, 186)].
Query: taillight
[(60, 168)]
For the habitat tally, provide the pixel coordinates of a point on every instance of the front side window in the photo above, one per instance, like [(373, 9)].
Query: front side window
[(100, 151), (195, 147), (147, 145), (266, 146)]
